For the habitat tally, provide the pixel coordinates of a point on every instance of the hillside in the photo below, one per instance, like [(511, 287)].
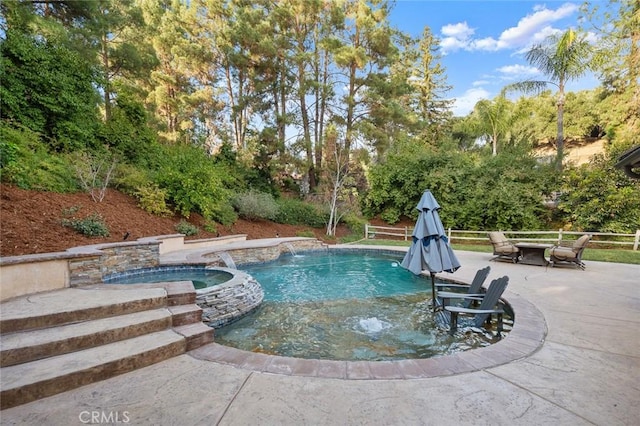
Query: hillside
[(576, 152), (31, 222)]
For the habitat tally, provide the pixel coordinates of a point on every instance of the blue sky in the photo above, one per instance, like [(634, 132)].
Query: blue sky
[(483, 42)]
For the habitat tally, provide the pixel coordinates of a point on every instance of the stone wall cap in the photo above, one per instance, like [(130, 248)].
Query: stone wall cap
[(159, 237), (221, 238), (98, 247), (46, 257)]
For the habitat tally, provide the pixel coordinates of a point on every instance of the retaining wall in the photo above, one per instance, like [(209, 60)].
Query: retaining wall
[(22, 275), (266, 253), (85, 265)]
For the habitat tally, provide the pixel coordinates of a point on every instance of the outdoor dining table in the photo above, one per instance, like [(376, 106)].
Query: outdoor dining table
[(533, 253)]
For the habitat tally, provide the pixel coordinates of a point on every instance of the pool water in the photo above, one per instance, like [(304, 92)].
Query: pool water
[(201, 277), (345, 306), (332, 276)]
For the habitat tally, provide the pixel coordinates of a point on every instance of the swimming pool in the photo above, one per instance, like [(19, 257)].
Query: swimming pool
[(345, 305)]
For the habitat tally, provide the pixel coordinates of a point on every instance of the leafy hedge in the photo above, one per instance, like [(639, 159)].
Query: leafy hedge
[(474, 191), (254, 205), (27, 163), (598, 197), (296, 212), (194, 184)]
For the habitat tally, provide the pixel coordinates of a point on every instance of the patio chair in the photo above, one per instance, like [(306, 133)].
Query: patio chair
[(488, 307), (569, 252), (474, 290), (502, 247)]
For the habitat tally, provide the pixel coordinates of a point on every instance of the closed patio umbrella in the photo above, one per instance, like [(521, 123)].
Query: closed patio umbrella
[(430, 250)]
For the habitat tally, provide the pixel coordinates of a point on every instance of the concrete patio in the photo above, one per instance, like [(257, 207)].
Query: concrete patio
[(587, 371)]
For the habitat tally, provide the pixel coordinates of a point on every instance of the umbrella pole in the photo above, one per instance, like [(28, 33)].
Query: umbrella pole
[(433, 290)]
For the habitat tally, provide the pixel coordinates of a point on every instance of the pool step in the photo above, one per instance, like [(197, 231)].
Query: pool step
[(196, 334), (178, 292), (31, 345), (56, 341), (185, 314), (70, 305), (38, 379)]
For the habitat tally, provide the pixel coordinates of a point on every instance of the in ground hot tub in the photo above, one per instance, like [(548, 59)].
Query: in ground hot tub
[(224, 294)]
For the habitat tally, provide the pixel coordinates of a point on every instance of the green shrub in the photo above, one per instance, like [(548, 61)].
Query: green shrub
[(390, 215), (193, 183), (28, 164), (296, 212), (48, 85), (255, 205), (224, 214), (127, 132), (8, 153), (475, 191), (91, 226), (129, 179), (306, 233), (70, 212), (354, 223), (598, 197), (152, 200), (210, 227), (186, 228)]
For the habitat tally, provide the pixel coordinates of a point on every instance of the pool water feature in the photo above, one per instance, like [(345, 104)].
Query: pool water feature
[(344, 306)]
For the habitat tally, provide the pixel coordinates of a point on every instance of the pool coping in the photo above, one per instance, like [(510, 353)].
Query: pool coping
[(525, 338)]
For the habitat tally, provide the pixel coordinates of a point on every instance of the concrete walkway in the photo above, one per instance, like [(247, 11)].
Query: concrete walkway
[(587, 371)]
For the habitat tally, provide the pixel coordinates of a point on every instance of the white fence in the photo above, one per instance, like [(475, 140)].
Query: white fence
[(555, 237)]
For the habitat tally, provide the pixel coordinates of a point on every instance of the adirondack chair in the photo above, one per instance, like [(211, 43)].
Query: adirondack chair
[(488, 306), (502, 247), (570, 253), (474, 290)]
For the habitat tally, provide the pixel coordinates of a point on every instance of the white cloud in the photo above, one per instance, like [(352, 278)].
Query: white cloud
[(488, 43), (460, 30), (480, 83), (455, 37), (517, 72), (531, 29), (541, 35), (464, 104)]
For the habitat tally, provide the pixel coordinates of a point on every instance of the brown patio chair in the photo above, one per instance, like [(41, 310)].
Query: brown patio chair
[(502, 247), (570, 252)]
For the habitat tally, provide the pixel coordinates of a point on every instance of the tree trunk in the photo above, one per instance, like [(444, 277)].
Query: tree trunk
[(495, 144), (560, 134), (306, 126), (107, 80)]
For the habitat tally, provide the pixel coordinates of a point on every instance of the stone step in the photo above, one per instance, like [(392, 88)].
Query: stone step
[(26, 346), (38, 379), (47, 309), (178, 292), (196, 334), (185, 314)]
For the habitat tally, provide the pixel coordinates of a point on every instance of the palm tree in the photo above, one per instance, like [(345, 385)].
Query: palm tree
[(493, 119), (562, 57)]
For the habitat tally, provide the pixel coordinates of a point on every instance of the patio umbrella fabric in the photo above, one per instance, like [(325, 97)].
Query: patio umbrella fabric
[(430, 250)]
